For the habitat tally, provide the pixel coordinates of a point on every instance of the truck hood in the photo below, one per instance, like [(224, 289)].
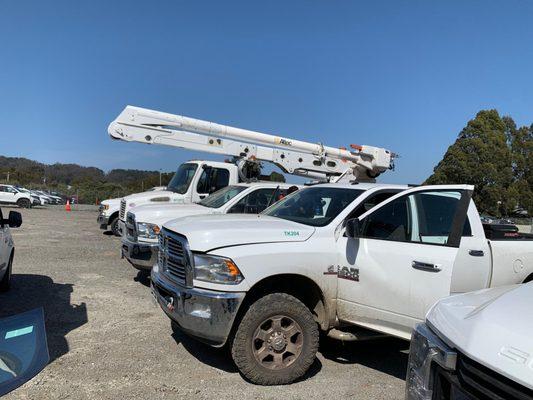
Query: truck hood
[(160, 213), (491, 326), (208, 232), (110, 202)]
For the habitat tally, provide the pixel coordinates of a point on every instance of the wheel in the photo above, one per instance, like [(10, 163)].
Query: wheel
[(114, 227), (276, 341), (6, 280), (23, 203)]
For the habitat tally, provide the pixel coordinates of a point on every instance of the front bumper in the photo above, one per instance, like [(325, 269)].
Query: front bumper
[(140, 255), (426, 353), (103, 221), (204, 314)]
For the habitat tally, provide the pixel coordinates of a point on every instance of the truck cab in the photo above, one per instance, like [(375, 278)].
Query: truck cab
[(192, 182), (7, 247), (331, 257)]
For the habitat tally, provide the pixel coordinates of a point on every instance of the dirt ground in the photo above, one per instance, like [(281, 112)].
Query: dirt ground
[(108, 340)]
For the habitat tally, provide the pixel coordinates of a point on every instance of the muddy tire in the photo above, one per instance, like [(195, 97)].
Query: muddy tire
[(5, 283), (23, 203), (276, 341), (114, 227)]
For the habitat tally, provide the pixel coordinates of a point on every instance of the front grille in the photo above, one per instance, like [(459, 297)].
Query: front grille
[(122, 209), (484, 383), (174, 257), (131, 227)]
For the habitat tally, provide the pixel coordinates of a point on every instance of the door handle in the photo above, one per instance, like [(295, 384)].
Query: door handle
[(476, 253), (423, 266)]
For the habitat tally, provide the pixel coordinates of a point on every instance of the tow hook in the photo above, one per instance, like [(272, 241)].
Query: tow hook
[(170, 304)]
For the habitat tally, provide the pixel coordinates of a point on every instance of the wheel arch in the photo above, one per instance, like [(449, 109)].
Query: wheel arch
[(300, 286), (529, 278)]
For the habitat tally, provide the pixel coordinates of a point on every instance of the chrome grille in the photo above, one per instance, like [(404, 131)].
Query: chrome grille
[(122, 209), (131, 227), (174, 257), (484, 383)]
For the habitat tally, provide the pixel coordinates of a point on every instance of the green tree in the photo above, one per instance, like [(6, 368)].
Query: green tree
[(482, 156)]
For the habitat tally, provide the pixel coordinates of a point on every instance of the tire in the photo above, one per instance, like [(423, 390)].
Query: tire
[(23, 203), (276, 341), (5, 283), (114, 227)]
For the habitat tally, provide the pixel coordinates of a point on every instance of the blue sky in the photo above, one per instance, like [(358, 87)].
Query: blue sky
[(406, 75)]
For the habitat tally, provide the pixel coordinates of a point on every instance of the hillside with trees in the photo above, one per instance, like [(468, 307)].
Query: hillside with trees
[(91, 184), (496, 156)]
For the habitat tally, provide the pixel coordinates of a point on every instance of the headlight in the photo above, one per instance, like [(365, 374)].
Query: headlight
[(148, 231), (426, 348), (216, 270), (106, 206)]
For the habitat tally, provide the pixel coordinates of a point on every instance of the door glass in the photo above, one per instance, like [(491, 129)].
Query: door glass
[(212, 179), (423, 217), (23, 349)]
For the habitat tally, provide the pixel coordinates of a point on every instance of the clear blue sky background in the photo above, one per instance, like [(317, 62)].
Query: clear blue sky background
[(406, 75)]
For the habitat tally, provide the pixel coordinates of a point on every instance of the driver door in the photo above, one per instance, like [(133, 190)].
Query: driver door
[(402, 260)]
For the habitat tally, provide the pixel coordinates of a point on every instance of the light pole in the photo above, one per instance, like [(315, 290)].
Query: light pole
[(159, 177)]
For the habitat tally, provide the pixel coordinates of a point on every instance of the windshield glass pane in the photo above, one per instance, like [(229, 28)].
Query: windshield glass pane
[(315, 206), (222, 196), (181, 180)]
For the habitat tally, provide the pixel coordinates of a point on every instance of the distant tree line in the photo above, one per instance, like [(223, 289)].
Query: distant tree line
[(89, 183), (496, 156)]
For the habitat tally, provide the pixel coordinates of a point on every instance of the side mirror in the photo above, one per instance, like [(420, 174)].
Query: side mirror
[(14, 220), (353, 228)]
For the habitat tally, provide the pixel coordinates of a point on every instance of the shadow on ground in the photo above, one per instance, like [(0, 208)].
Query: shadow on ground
[(387, 355), (33, 291)]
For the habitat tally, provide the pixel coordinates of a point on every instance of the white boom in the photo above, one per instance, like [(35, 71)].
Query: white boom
[(365, 163)]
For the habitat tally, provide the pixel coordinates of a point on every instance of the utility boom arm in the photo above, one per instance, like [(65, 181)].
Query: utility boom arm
[(136, 124)]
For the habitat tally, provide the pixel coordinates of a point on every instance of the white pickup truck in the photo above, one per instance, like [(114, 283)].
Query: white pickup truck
[(7, 247), (192, 182), (474, 346), (140, 244), (109, 210), (344, 259)]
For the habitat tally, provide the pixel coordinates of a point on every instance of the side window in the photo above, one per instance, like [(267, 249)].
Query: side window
[(425, 217), (254, 202), (212, 179), (390, 222), (370, 202), (2, 188)]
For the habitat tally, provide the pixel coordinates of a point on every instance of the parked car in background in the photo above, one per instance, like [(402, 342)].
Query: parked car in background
[(9, 194), (35, 199), (474, 346), (7, 247), (143, 223), (333, 257)]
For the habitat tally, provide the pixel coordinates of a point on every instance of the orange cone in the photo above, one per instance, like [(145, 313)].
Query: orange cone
[(67, 206)]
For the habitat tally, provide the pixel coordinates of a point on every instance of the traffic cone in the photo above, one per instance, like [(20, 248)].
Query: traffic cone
[(67, 206)]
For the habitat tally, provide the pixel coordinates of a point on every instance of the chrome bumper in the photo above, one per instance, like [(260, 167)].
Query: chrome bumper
[(103, 221), (204, 314), (140, 255)]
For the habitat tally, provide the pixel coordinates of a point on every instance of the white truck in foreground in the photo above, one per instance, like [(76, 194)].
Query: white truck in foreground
[(140, 244), (347, 259), (474, 346)]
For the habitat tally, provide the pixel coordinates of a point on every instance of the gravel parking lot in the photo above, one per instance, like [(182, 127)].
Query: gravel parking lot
[(108, 340)]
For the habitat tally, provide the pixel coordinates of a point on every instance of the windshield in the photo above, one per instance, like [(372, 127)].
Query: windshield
[(182, 178), (222, 196), (315, 206)]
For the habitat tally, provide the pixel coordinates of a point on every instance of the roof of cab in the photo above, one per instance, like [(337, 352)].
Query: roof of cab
[(363, 185)]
